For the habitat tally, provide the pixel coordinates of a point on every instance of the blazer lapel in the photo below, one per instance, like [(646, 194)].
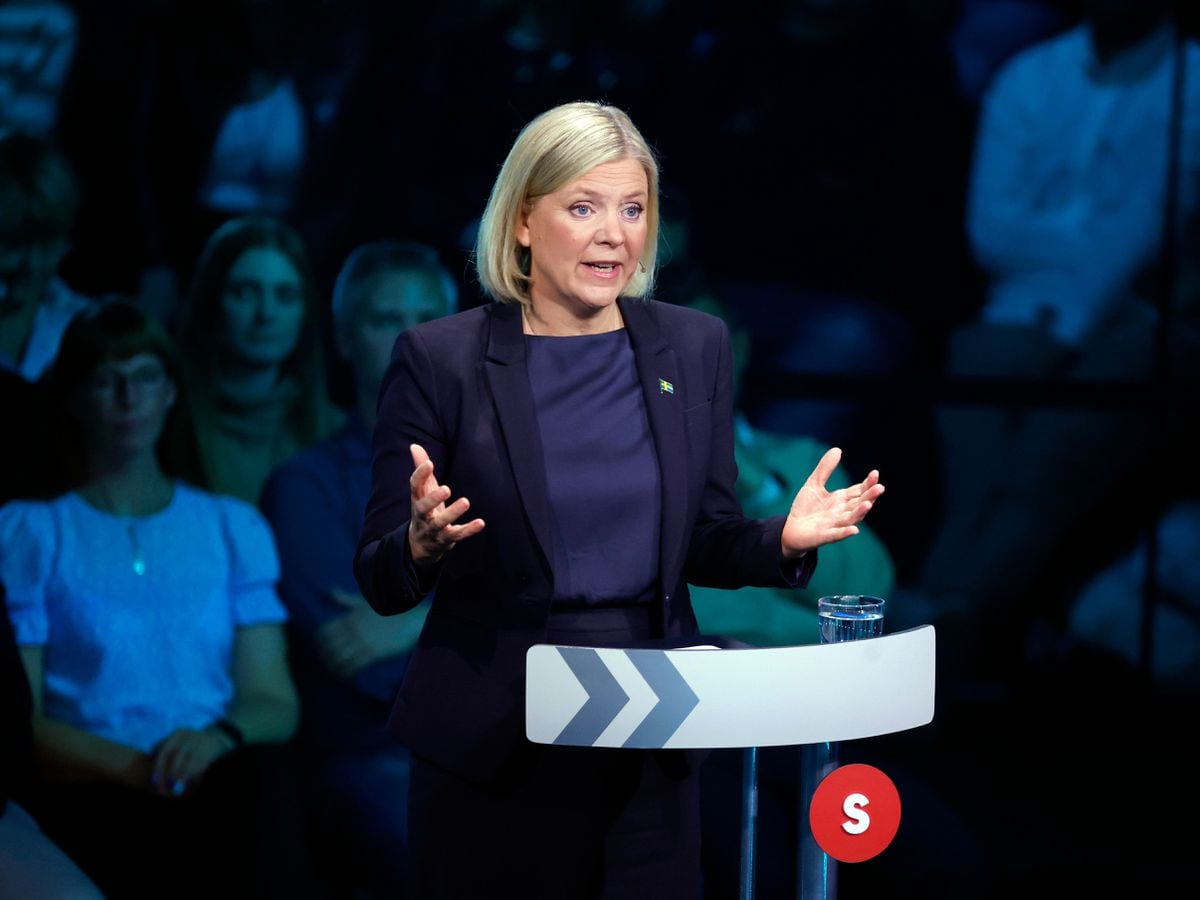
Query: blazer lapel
[(665, 394), (508, 378)]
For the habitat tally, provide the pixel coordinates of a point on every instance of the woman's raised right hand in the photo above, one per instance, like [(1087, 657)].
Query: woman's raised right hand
[(433, 526)]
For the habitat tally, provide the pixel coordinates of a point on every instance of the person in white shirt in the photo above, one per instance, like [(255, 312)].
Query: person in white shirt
[(1069, 212)]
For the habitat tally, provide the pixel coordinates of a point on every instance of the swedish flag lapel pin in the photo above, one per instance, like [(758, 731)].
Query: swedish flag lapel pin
[(665, 387)]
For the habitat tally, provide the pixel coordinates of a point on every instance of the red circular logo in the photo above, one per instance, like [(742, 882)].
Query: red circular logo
[(855, 813)]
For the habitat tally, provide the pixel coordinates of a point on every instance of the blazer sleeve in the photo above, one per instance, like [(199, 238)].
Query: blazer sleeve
[(407, 413)]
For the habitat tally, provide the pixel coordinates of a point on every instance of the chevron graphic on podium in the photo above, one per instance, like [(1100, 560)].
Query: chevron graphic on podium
[(672, 699), (701, 696)]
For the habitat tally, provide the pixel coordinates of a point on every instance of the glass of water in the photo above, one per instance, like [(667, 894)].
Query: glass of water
[(850, 617)]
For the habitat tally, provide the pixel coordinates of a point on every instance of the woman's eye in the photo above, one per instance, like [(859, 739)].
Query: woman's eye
[(244, 291), (581, 209), (149, 377), (288, 294), (632, 213)]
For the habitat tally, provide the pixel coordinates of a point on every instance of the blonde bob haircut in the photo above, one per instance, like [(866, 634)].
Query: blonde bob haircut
[(553, 150)]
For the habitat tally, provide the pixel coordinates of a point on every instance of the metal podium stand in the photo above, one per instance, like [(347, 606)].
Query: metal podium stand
[(704, 697)]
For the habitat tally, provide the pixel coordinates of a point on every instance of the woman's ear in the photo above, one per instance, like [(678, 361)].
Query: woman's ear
[(522, 230)]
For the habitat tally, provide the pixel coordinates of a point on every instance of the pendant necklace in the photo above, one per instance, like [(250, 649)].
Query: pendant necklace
[(139, 561), (130, 523)]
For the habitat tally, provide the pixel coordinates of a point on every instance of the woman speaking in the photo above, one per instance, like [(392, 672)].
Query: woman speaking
[(555, 467)]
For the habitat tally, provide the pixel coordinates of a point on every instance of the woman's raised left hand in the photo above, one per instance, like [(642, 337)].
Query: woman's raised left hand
[(819, 516)]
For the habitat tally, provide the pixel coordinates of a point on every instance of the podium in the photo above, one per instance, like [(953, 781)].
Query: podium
[(703, 696)]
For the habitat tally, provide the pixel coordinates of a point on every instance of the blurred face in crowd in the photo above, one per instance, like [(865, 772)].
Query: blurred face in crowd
[(586, 238), (262, 308), (123, 406), (395, 301)]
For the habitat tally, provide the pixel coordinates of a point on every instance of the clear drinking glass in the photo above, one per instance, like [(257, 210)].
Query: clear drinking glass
[(850, 617)]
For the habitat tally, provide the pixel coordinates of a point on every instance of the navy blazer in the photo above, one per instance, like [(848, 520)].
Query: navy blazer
[(459, 387)]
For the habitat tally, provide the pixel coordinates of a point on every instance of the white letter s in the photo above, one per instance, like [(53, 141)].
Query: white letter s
[(852, 806)]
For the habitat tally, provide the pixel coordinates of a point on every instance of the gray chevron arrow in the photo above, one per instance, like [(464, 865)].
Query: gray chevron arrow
[(676, 699), (605, 699)]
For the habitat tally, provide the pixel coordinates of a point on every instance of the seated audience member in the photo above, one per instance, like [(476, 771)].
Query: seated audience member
[(149, 626), (38, 201), (1068, 218), (250, 333), (31, 866), (347, 659)]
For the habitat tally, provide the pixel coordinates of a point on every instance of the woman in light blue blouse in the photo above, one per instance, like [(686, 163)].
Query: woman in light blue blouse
[(149, 626)]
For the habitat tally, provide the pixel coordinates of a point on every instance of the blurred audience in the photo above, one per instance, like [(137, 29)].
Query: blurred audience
[(38, 202), (1070, 178), (348, 660), (851, 144), (153, 641), (223, 108), (37, 47), (252, 343), (1070, 217)]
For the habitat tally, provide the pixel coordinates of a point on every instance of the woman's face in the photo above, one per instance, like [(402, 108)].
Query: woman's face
[(123, 406), (586, 238), (262, 308)]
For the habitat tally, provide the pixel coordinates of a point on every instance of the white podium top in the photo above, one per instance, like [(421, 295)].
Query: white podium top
[(708, 698)]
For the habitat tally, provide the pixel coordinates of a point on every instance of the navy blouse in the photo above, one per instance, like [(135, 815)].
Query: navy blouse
[(602, 469)]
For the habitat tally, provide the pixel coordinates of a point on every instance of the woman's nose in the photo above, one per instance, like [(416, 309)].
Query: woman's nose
[(264, 308), (608, 229)]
